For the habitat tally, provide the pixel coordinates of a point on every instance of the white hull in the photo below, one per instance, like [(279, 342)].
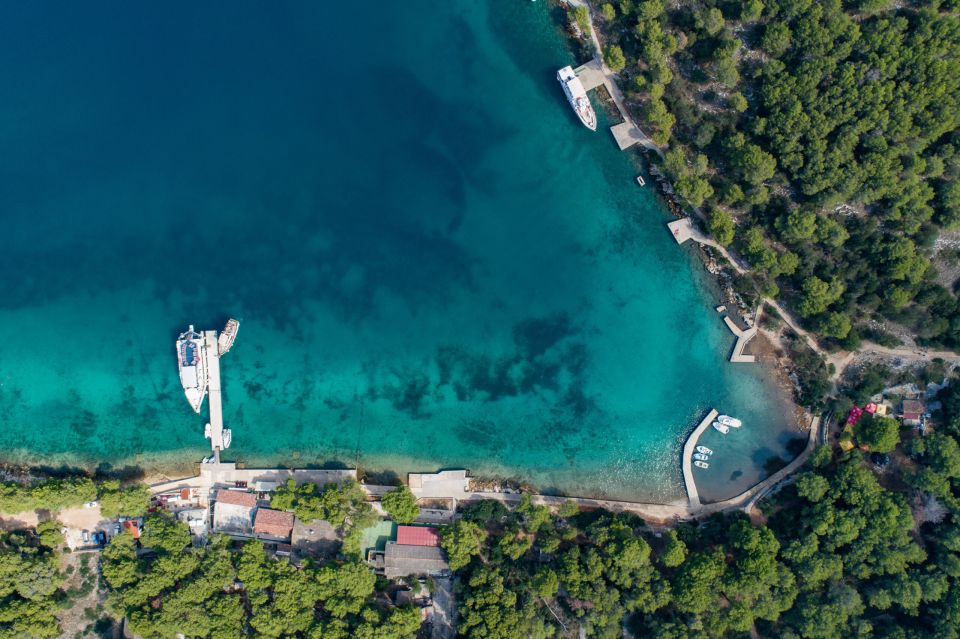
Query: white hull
[(726, 420), (227, 336), (577, 97), (192, 363), (723, 428)]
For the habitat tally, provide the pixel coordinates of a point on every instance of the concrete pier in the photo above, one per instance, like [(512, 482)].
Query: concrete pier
[(592, 75), (213, 393), (688, 449), (743, 338)]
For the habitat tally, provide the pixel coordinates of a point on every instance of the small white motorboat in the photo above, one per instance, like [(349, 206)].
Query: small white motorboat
[(701, 464), (726, 420), (723, 428), (227, 437), (701, 457), (206, 431), (704, 450), (640, 180)]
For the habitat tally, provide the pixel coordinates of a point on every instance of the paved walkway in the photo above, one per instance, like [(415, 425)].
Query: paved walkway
[(594, 70)]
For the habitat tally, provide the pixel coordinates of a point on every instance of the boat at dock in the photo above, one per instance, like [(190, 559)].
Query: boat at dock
[(701, 464), (227, 437), (192, 362), (704, 450), (729, 421), (723, 428), (577, 96), (227, 335), (701, 457)]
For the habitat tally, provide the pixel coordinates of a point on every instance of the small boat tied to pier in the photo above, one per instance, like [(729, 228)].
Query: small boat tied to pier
[(227, 336), (192, 362)]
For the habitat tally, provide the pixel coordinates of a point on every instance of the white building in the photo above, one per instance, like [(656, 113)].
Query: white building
[(233, 511)]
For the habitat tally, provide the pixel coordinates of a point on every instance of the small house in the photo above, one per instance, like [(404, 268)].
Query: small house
[(275, 524), (400, 560), (233, 511), (912, 411)]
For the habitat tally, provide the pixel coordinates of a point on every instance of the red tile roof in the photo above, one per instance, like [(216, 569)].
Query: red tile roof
[(185, 494), (417, 536), (276, 523), (237, 498)]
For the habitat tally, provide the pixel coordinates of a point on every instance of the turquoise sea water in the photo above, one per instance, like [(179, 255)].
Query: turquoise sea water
[(434, 264)]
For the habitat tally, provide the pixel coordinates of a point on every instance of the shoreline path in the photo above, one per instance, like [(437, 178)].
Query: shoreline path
[(455, 486)]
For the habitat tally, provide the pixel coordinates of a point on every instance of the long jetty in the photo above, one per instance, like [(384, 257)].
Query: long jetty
[(213, 392), (688, 449)]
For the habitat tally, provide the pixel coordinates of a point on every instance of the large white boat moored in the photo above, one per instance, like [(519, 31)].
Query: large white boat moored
[(192, 361), (577, 97)]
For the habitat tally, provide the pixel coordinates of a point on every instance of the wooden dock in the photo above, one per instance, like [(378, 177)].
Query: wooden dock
[(688, 449), (213, 393)]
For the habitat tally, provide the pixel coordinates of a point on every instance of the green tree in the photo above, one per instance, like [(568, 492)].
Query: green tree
[(401, 505), (776, 39), (131, 501), (818, 295), (614, 58), (836, 325), (881, 434), (721, 227), (580, 16), (609, 13), (737, 102), (674, 551), (462, 541), (709, 20)]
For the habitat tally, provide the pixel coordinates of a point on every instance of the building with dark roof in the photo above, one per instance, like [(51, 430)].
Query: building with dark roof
[(399, 560), (417, 536), (273, 523)]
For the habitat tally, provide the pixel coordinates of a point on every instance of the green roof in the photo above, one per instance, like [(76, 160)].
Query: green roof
[(377, 536)]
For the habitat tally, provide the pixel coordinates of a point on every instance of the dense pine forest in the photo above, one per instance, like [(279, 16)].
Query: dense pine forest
[(820, 140)]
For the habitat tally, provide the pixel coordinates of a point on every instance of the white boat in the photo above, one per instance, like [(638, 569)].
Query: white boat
[(704, 450), (206, 430), (192, 361), (577, 97), (227, 437), (227, 335), (723, 428), (700, 464), (640, 180), (730, 421), (701, 457)]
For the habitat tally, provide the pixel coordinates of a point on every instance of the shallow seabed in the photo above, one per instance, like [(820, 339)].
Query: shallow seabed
[(434, 264)]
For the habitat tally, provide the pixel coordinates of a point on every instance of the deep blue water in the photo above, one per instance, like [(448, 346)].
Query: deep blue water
[(433, 262)]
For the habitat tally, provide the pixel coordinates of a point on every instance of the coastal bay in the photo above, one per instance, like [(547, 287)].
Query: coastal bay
[(434, 264)]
